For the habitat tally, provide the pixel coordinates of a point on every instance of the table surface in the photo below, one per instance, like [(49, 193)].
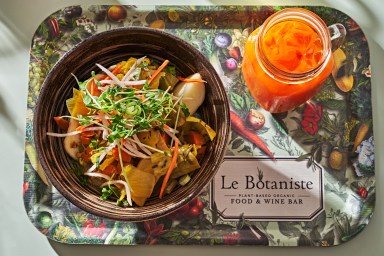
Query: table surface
[(18, 22)]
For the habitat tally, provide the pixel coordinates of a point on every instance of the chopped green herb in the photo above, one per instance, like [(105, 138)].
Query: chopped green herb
[(87, 100), (185, 109), (131, 110), (79, 173), (171, 69), (108, 191)]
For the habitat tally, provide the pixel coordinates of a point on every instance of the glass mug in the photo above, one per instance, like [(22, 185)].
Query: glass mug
[(289, 57)]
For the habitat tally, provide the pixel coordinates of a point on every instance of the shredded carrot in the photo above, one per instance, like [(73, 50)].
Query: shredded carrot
[(167, 127), (87, 134), (79, 128), (61, 122), (115, 71), (94, 89), (191, 80), (170, 169), (162, 66)]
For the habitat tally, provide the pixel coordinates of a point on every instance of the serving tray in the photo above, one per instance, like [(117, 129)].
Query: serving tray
[(316, 188)]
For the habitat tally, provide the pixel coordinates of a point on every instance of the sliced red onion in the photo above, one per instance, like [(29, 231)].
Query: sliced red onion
[(129, 152), (104, 120), (97, 128), (110, 74), (172, 135), (141, 145), (97, 174), (105, 132), (171, 129), (54, 134), (100, 117), (138, 82), (131, 144), (124, 83), (101, 157), (130, 71), (104, 88), (111, 68), (128, 148), (109, 82)]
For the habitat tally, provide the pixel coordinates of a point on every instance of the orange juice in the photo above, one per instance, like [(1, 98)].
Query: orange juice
[(293, 46), (287, 59)]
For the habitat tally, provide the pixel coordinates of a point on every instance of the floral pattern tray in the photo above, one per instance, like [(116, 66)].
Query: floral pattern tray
[(328, 141)]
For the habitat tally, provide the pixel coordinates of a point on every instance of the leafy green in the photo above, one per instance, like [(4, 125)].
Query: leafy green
[(171, 69), (334, 104), (130, 111), (84, 120), (185, 109), (107, 192), (79, 173)]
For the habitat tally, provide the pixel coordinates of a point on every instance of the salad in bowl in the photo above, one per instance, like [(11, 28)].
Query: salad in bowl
[(131, 124)]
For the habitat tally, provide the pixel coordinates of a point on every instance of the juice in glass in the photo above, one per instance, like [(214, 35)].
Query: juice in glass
[(289, 57)]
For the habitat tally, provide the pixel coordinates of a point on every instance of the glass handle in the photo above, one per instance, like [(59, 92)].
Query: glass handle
[(337, 32)]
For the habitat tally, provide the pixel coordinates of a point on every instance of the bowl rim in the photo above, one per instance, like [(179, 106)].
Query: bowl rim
[(218, 157)]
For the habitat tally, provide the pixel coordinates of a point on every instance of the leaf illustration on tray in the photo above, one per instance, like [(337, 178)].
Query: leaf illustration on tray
[(215, 214), (247, 149), (319, 222), (311, 140), (368, 207), (236, 100), (241, 222), (237, 143), (280, 125), (285, 143), (319, 154), (262, 130), (289, 229), (224, 227), (304, 241), (303, 157), (63, 233), (175, 236), (59, 201), (315, 236), (122, 234), (328, 239), (360, 101), (247, 103), (334, 104), (262, 225)]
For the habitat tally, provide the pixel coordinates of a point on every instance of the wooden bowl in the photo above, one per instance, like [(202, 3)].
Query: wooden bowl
[(108, 48)]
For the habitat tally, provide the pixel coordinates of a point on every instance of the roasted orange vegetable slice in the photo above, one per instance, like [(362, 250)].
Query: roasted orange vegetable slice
[(76, 105), (141, 183)]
